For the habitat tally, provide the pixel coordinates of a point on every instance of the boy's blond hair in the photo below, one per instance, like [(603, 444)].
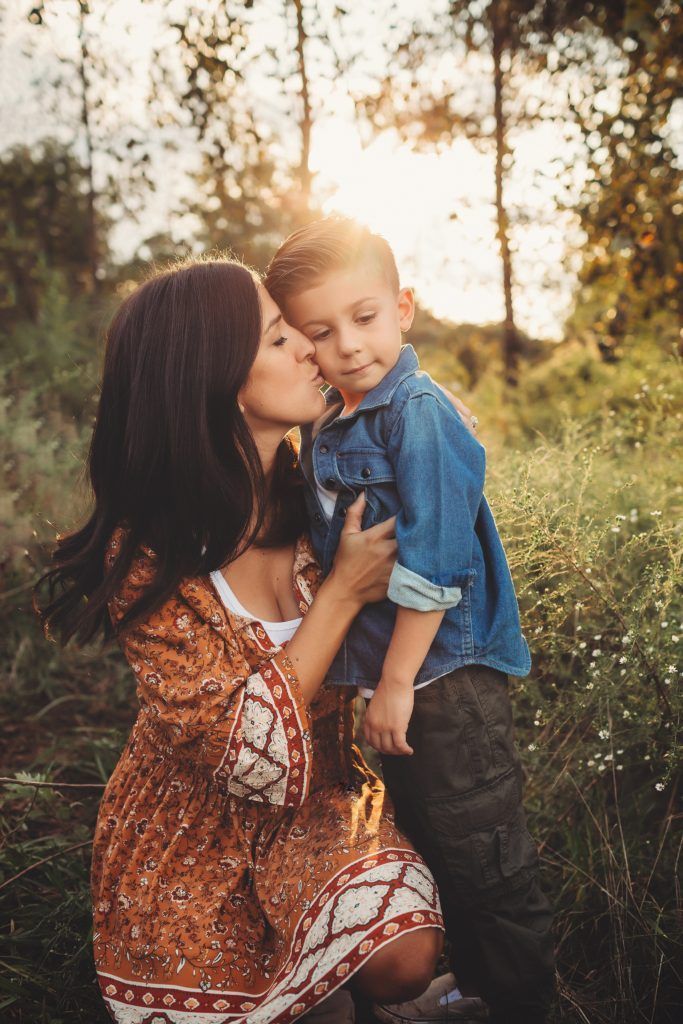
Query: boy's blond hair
[(323, 247)]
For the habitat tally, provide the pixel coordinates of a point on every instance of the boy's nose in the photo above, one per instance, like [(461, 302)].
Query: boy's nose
[(347, 343)]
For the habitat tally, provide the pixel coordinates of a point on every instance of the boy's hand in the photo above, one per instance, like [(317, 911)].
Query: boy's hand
[(387, 715)]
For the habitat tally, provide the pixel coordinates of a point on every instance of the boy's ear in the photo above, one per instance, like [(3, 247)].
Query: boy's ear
[(406, 308)]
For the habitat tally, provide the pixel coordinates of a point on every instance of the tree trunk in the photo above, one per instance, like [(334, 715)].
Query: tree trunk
[(499, 24), (306, 119), (91, 213)]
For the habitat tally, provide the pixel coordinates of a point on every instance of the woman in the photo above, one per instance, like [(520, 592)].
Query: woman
[(244, 866)]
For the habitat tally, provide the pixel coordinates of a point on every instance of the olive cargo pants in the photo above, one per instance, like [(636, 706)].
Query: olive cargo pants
[(459, 799)]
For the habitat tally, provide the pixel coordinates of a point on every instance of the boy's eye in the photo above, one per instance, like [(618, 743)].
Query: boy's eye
[(366, 318), (321, 336)]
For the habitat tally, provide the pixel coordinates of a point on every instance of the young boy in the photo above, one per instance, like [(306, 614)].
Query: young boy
[(435, 657)]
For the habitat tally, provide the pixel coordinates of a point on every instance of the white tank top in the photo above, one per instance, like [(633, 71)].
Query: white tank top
[(278, 632)]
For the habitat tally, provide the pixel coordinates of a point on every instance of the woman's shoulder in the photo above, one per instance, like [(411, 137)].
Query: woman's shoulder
[(193, 593)]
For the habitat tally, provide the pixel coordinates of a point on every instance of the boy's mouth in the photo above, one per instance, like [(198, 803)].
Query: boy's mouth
[(357, 369)]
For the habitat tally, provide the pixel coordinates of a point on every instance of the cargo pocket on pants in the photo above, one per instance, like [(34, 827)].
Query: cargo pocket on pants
[(483, 840)]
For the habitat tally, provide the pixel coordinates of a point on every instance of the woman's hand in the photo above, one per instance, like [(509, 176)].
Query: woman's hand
[(466, 415), (365, 558)]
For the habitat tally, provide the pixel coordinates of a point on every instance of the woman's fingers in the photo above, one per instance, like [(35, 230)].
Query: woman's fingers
[(463, 410), (354, 515)]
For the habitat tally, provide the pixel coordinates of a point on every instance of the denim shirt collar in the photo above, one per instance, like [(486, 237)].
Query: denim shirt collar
[(405, 365)]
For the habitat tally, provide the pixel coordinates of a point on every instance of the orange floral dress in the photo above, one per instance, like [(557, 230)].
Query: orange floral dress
[(245, 863)]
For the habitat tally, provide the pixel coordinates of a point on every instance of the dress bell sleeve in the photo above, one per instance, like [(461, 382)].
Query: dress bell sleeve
[(248, 726)]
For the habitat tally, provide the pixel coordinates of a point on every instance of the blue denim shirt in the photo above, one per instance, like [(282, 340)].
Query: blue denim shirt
[(407, 447)]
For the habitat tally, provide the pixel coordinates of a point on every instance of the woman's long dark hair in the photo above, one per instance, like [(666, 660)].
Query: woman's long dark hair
[(171, 457)]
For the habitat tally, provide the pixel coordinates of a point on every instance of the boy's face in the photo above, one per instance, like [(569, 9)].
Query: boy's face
[(354, 318)]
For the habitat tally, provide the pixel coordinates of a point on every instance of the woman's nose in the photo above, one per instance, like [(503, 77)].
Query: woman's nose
[(306, 349)]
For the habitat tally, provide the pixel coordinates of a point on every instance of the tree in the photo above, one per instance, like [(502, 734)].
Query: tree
[(81, 87), (632, 202), (436, 115)]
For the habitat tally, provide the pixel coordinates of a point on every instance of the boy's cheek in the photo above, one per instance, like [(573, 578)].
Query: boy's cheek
[(325, 364)]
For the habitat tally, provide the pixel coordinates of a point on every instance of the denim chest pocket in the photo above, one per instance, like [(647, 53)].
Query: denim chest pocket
[(363, 467)]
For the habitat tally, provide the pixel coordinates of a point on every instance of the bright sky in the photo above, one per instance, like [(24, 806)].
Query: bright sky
[(436, 210)]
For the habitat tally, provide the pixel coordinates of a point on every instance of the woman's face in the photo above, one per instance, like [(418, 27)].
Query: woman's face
[(283, 387)]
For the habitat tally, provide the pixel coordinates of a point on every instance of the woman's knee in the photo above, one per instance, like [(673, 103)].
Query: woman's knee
[(403, 969)]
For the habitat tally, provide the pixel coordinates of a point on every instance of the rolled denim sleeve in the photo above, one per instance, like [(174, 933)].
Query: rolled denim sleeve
[(440, 469)]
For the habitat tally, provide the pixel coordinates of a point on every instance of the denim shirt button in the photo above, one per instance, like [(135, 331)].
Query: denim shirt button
[(324, 449), (330, 483), (318, 518), (365, 472)]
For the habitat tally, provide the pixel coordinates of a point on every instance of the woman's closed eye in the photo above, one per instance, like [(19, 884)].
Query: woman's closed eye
[(280, 341)]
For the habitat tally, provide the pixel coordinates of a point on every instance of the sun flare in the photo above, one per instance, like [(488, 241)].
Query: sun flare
[(437, 212)]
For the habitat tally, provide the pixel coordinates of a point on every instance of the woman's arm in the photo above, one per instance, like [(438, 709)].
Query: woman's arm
[(360, 574)]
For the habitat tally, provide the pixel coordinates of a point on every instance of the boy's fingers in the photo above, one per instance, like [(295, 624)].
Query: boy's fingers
[(401, 744)]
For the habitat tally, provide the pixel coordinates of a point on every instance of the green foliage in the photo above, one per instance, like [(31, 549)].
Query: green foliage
[(43, 226), (586, 491), (65, 714), (591, 522)]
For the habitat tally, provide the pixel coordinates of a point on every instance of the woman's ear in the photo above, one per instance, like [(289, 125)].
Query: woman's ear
[(406, 308)]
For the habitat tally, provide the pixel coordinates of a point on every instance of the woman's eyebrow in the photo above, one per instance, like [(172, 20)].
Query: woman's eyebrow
[(275, 320)]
